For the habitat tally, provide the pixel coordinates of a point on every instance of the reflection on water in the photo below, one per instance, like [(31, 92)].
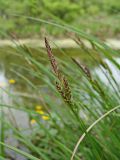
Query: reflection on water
[(6, 89), (16, 117), (3, 85), (101, 72)]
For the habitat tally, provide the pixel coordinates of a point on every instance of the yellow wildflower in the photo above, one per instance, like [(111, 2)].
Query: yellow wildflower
[(33, 121), (40, 111), (45, 117), (12, 81), (38, 108)]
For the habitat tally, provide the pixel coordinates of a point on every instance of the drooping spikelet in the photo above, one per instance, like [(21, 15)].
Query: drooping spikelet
[(86, 71), (83, 68)]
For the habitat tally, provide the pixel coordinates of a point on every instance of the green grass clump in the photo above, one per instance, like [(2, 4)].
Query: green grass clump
[(77, 108)]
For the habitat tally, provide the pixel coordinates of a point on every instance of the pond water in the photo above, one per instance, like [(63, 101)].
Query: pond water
[(115, 71), (10, 64), (16, 86)]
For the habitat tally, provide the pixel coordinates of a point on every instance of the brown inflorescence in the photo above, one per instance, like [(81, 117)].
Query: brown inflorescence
[(94, 83), (84, 69), (62, 84), (51, 57)]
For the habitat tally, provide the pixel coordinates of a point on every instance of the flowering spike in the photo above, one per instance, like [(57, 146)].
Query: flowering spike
[(62, 86), (51, 57)]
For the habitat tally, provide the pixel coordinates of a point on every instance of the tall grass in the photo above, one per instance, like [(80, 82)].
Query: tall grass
[(81, 112)]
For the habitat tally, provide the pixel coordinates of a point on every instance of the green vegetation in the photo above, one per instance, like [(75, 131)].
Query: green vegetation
[(73, 100), (93, 16), (70, 107)]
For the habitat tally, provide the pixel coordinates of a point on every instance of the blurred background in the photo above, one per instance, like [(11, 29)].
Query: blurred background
[(99, 18), (28, 95)]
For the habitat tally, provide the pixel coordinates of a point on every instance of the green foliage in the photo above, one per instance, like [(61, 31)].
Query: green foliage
[(113, 7), (93, 111), (68, 11)]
